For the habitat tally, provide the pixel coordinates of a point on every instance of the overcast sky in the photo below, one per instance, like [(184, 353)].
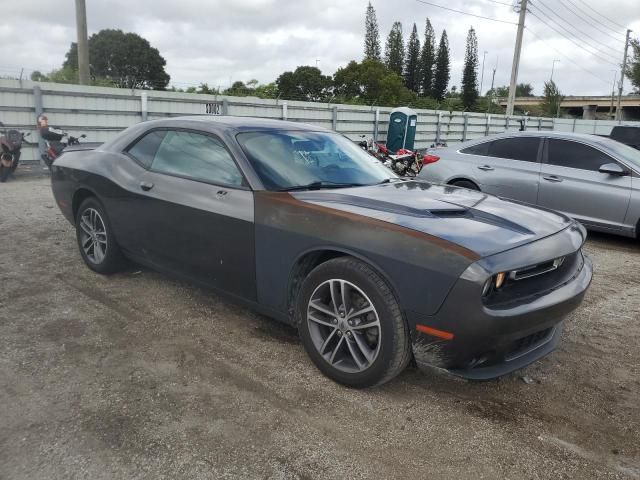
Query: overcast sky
[(216, 41)]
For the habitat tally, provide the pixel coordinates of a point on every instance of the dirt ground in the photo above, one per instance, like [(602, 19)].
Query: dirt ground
[(140, 376)]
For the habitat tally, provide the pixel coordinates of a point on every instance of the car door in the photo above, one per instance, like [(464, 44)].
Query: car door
[(197, 217), (508, 167), (571, 183), (511, 168)]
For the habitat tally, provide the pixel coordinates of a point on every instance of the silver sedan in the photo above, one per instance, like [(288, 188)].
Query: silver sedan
[(594, 179)]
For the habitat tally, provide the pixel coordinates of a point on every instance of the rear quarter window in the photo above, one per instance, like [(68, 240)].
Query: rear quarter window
[(524, 149), (478, 149), (144, 150)]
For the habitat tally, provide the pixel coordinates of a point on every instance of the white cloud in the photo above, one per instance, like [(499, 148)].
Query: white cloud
[(216, 40)]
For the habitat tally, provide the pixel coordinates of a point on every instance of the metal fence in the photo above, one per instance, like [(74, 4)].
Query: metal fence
[(101, 112)]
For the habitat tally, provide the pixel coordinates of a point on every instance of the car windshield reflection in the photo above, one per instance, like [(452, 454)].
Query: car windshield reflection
[(297, 160)]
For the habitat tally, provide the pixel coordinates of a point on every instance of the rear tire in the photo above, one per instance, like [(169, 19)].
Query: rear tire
[(96, 242), (465, 184), (351, 325)]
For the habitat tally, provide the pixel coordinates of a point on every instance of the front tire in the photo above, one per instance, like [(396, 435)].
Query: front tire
[(98, 246), (351, 325)]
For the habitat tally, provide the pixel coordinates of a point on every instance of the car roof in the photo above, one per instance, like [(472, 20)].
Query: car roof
[(538, 133), (240, 123)]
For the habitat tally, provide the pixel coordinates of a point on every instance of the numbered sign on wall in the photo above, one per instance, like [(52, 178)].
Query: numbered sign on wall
[(213, 108)]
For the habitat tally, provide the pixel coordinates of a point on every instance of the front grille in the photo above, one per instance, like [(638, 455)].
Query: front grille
[(526, 344), (546, 277)]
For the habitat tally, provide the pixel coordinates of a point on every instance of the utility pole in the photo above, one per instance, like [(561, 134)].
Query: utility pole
[(482, 76), (622, 72), (493, 78), (552, 68), (516, 58), (613, 93), (83, 43)]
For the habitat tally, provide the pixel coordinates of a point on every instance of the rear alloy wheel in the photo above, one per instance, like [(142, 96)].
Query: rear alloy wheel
[(351, 325), (97, 245), (465, 184)]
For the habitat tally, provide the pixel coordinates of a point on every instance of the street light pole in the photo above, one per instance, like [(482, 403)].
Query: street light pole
[(622, 72), (482, 75), (83, 43), (552, 68), (613, 93), (516, 58)]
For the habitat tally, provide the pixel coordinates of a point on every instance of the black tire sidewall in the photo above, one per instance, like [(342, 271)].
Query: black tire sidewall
[(113, 259), (388, 314)]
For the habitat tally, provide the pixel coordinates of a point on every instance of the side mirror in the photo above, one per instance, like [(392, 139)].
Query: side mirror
[(613, 169)]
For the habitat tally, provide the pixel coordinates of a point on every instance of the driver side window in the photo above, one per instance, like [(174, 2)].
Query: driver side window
[(196, 156)]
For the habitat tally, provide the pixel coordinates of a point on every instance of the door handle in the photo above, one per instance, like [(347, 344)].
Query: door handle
[(221, 194), (552, 178), (486, 168), (146, 186)]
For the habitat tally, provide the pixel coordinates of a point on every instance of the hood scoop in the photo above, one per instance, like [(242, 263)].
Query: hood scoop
[(381, 205), (435, 208)]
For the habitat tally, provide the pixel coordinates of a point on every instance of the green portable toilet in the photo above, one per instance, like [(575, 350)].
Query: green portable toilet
[(402, 129)]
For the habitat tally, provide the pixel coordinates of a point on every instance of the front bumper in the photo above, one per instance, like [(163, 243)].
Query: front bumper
[(491, 341)]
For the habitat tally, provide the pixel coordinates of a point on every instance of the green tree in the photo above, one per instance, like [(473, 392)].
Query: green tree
[(470, 72), (369, 83), (412, 64), (633, 69), (126, 59), (269, 90), (552, 99), (305, 83), (372, 35), (427, 60), (237, 89), (522, 90), (205, 88), (442, 73), (394, 49)]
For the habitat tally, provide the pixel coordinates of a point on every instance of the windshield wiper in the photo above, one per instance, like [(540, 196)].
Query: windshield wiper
[(389, 180), (319, 186)]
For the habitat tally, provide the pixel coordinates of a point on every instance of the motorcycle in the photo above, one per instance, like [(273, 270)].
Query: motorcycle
[(407, 163), (55, 149), (10, 149)]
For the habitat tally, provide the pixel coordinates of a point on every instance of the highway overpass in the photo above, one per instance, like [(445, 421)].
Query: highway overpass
[(588, 108)]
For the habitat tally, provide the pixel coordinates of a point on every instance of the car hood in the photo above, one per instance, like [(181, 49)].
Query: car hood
[(474, 220)]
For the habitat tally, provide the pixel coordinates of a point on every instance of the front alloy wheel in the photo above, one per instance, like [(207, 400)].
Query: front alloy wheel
[(344, 325), (351, 325)]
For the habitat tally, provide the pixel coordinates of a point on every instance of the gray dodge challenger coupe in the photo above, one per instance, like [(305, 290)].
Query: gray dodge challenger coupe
[(300, 224)]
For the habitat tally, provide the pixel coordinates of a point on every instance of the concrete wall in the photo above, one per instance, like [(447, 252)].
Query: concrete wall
[(101, 112)]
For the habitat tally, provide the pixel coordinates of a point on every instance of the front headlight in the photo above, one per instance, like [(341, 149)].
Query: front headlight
[(494, 283)]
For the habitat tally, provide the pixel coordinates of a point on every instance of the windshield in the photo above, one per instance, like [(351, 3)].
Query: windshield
[(286, 160), (625, 152)]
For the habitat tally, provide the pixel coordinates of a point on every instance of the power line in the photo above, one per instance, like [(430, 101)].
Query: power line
[(599, 14), (594, 25), (466, 13), (577, 36), (573, 41), (538, 37), (501, 3)]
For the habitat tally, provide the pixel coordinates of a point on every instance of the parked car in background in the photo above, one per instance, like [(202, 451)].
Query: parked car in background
[(626, 134), (301, 224), (593, 179)]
